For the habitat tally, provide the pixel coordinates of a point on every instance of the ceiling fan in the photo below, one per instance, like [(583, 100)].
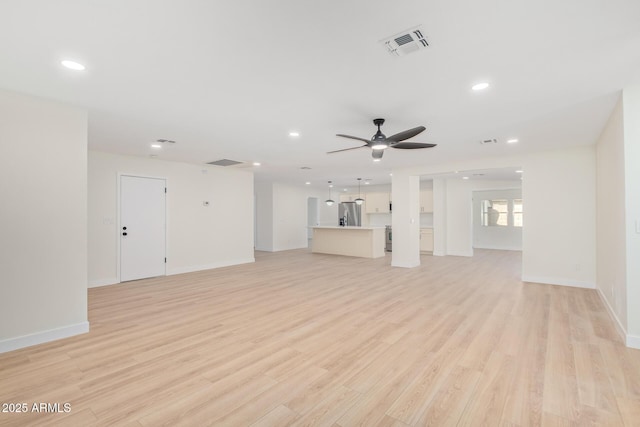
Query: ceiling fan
[(379, 142)]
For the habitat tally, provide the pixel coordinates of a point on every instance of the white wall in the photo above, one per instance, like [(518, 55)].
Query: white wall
[(313, 215), (611, 242), (289, 217), (440, 217), (496, 237), (264, 216), (559, 244), (198, 237), (406, 220), (458, 221), (631, 111), (43, 221), (282, 215)]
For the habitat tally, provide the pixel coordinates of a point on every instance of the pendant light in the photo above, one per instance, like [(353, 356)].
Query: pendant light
[(329, 201), (359, 200)]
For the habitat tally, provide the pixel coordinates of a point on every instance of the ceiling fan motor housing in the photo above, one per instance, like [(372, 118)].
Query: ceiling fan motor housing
[(379, 135)]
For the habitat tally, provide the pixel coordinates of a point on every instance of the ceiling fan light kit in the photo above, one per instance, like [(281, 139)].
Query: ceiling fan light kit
[(379, 142)]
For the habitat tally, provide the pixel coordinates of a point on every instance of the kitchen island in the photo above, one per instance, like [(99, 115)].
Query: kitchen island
[(364, 242)]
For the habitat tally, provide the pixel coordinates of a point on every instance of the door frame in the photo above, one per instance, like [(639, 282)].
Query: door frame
[(119, 175)]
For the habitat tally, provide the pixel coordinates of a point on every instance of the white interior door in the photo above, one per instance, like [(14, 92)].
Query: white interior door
[(142, 227)]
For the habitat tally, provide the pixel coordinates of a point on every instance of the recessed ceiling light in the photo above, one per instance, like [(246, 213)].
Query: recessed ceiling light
[(376, 160), (294, 134), (512, 141), (518, 171), (256, 163), (307, 183), (480, 86), (345, 190), (156, 146), (330, 185), (72, 65), (465, 177), (390, 174)]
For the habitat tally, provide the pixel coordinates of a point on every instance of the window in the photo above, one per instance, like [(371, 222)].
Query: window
[(501, 213), (517, 212), (495, 213)]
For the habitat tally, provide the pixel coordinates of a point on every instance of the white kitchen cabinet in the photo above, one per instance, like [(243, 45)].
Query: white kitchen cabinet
[(426, 201), (377, 203), (426, 239)]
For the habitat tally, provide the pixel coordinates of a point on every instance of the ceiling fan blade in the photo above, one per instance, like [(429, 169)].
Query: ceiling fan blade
[(406, 134), (412, 145), (346, 149), (354, 137)]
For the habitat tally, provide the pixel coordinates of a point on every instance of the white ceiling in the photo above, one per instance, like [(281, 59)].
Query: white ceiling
[(230, 79)]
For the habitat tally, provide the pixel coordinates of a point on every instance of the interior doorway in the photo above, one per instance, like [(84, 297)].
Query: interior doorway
[(142, 227)]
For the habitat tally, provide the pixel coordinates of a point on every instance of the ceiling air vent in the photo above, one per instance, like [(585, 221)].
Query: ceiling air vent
[(409, 41), (170, 141), (224, 162), (489, 141)]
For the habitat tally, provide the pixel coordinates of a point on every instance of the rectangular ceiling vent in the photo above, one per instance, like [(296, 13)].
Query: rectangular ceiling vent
[(489, 141), (224, 162), (409, 41)]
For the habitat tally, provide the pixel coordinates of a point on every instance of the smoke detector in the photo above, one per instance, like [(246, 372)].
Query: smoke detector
[(406, 42)]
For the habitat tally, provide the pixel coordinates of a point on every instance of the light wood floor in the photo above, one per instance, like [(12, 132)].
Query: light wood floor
[(310, 339)]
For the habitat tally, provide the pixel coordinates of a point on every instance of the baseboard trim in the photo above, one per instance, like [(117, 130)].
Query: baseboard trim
[(461, 253), (619, 327), (633, 341), (559, 282), (103, 282), (194, 268), (405, 265), (43, 337), (499, 248)]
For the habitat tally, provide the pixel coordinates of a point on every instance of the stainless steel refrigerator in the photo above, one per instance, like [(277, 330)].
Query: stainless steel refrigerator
[(349, 214)]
